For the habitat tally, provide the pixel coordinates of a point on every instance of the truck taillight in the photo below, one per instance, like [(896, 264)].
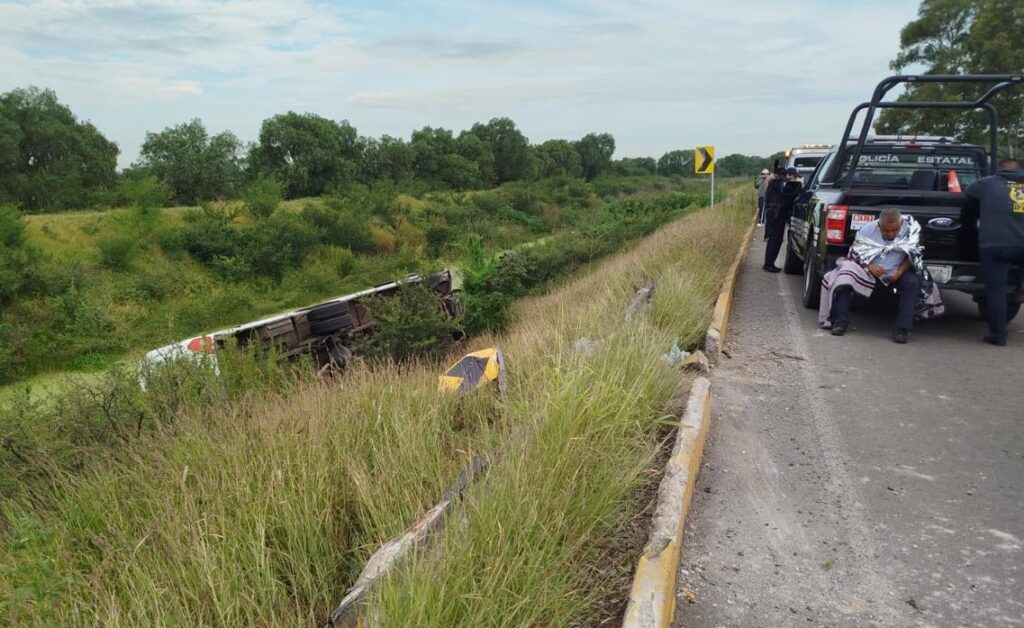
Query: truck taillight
[(835, 223), (201, 344)]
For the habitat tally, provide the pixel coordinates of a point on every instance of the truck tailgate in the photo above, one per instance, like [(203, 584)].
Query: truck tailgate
[(946, 232)]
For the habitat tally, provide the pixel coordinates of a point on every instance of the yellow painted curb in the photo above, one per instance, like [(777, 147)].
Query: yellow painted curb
[(652, 599), (723, 305)]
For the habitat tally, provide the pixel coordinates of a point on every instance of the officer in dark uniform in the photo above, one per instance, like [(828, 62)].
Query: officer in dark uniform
[(778, 208), (1000, 201)]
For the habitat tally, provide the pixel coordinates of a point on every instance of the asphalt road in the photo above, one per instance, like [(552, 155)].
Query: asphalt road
[(853, 481)]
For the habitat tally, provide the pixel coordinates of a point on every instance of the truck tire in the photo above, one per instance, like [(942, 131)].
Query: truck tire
[(330, 326), (327, 311), (1012, 309), (812, 281), (793, 264)]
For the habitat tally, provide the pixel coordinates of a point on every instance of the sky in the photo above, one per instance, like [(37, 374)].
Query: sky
[(746, 76)]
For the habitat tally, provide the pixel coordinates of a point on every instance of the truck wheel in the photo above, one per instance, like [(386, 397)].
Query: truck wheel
[(812, 281), (793, 264), (330, 325), (327, 311), (1012, 309)]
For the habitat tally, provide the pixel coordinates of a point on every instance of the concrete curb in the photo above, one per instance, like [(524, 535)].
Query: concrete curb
[(720, 321), (652, 600)]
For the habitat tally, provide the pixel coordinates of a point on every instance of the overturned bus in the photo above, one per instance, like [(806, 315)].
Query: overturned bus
[(327, 331)]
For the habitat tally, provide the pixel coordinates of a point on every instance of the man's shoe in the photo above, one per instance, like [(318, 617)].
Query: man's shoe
[(839, 329), (900, 336), (995, 340), (772, 268)]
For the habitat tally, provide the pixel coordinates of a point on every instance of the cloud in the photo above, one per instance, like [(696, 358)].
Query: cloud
[(424, 45), (659, 74)]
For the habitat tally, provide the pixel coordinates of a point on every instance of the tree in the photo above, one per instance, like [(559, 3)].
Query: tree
[(13, 258), (675, 162), (262, 196), (473, 149), (558, 158), (737, 165), (309, 154), (635, 166), (436, 159), (961, 36), (386, 159), (196, 166), (596, 150), (146, 194), (511, 149), (48, 159)]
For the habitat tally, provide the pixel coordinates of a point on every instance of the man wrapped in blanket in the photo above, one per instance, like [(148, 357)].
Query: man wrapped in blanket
[(886, 252)]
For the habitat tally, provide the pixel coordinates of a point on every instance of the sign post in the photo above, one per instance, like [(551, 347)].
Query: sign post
[(704, 163)]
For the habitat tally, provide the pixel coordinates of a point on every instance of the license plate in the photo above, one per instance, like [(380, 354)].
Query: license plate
[(941, 274), (859, 220)]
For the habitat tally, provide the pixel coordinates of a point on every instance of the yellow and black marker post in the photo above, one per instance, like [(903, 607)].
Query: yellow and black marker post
[(704, 163)]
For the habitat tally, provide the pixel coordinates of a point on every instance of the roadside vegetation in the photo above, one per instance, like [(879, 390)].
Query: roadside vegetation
[(81, 290), (257, 496)]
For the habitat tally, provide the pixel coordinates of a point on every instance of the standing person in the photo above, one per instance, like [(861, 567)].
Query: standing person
[(762, 182), (1000, 201), (781, 193)]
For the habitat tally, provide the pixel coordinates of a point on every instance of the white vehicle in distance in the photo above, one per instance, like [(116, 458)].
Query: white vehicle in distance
[(806, 157)]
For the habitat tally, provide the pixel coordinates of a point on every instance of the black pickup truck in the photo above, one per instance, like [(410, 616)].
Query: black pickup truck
[(922, 177)]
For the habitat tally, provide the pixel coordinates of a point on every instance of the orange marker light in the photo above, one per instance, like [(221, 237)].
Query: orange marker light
[(201, 344)]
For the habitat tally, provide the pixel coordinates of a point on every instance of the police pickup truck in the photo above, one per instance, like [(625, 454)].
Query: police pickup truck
[(922, 177)]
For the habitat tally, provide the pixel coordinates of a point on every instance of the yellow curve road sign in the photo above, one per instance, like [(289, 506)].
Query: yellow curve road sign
[(704, 160)]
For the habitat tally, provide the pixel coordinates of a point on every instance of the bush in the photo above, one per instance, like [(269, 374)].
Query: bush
[(491, 203), (513, 274), (438, 237), (262, 197), (170, 239), (117, 251), (146, 194), (13, 258), (410, 324), (339, 259), (341, 226), (278, 244), (523, 198), (209, 234), (12, 229), (485, 312), (384, 239)]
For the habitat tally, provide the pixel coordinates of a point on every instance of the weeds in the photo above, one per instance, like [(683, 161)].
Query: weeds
[(254, 498)]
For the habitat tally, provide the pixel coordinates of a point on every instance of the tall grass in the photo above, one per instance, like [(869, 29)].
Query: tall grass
[(528, 551), (262, 510)]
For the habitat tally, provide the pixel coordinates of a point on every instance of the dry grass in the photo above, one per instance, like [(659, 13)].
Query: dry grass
[(263, 513)]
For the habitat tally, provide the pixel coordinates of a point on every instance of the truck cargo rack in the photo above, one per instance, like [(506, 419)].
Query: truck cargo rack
[(999, 82)]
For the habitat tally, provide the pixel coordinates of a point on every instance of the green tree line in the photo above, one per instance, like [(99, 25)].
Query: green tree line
[(52, 161), (961, 37)]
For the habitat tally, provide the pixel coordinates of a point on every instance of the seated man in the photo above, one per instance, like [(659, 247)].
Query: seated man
[(886, 251)]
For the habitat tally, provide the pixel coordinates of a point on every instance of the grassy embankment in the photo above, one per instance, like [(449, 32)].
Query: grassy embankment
[(263, 511), (112, 284)]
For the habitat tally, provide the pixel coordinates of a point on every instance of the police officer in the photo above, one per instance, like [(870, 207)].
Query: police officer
[(778, 208), (1000, 200)]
